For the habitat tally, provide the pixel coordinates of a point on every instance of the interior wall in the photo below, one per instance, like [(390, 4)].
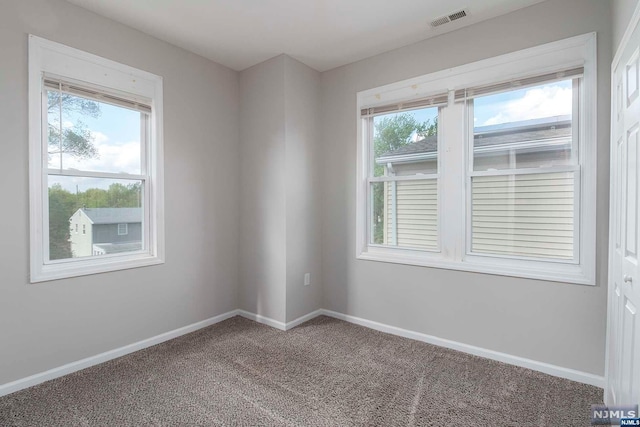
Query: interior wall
[(621, 11), (280, 209), (557, 323), (47, 325), (243, 164), (263, 251), (304, 251)]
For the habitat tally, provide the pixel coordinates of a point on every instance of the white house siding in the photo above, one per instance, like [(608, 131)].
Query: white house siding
[(412, 221), (81, 243), (524, 215)]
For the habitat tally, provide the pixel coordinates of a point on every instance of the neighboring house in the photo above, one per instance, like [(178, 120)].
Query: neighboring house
[(411, 207), (101, 231)]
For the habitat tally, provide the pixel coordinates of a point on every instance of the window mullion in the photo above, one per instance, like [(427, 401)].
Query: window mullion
[(451, 182), (416, 177), (89, 174), (525, 171)]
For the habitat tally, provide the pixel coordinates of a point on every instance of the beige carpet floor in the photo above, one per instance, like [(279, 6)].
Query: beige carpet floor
[(325, 372)]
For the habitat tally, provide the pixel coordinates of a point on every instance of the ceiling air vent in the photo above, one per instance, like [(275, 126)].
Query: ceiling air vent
[(448, 18), (457, 15)]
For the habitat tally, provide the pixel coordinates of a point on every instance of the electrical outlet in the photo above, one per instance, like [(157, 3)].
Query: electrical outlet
[(307, 279)]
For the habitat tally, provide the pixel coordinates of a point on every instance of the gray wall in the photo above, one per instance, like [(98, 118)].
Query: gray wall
[(243, 199), (621, 11), (263, 200), (46, 325), (280, 211), (556, 323), (304, 251)]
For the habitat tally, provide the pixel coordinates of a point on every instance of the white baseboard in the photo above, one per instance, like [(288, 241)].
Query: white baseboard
[(276, 323), (547, 368), (558, 371), (69, 368), (300, 320), (263, 319)]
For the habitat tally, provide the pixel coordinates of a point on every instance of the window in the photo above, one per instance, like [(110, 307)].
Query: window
[(403, 174), (123, 229), (524, 171), (96, 160), (466, 169)]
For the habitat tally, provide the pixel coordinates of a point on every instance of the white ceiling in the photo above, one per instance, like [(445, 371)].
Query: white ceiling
[(323, 34)]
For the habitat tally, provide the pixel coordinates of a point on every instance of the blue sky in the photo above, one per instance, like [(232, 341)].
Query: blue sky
[(547, 100), (116, 136)]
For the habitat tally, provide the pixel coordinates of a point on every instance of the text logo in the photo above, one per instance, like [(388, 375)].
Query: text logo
[(607, 415)]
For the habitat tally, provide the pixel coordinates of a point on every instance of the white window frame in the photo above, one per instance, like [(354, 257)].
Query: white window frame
[(55, 59), (453, 184)]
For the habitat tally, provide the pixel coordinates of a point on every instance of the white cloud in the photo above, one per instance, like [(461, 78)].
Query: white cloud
[(546, 101), (99, 137), (114, 157)]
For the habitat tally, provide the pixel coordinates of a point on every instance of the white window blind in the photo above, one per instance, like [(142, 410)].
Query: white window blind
[(438, 100), (473, 92), (95, 95)]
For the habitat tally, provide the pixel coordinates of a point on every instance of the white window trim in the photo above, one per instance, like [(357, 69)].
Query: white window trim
[(125, 228), (579, 51), (56, 59)]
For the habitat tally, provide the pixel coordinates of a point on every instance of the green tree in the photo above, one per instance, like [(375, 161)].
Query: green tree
[(124, 196), (62, 204), (75, 140), (390, 133)]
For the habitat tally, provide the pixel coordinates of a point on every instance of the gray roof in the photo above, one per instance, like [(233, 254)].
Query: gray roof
[(113, 215), (556, 127), (522, 134)]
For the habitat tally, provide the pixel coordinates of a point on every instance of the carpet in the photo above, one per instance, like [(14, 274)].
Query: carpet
[(325, 372)]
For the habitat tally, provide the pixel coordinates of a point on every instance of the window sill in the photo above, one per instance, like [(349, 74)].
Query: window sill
[(537, 270), (93, 265)]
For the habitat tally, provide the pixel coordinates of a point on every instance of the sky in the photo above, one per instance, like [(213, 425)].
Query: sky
[(116, 136), (547, 100)]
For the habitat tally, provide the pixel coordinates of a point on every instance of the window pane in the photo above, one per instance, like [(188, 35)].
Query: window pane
[(524, 215), (405, 214), (93, 136), (85, 213), (405, 143), (525, 128)]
